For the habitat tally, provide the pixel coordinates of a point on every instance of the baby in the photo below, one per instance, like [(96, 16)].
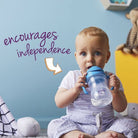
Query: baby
[(82, 119)]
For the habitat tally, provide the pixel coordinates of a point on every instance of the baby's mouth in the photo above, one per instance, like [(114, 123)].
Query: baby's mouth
[(89, 67)]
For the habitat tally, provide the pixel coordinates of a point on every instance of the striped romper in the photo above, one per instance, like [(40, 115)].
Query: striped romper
[(81, 115)]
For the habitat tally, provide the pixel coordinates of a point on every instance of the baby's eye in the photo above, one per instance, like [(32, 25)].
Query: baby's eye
[(83, 53), (97, 53)]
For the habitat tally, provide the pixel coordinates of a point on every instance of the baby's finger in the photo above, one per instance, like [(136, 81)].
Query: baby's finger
[(84, 84), (110, 74), (84, 74), (81, 79)]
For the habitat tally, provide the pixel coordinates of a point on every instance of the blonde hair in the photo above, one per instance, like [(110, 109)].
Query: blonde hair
[(94, 31)]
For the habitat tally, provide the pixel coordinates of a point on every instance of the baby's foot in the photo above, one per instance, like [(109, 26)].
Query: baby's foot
[(107, 134), (85, 136), (121, 136)]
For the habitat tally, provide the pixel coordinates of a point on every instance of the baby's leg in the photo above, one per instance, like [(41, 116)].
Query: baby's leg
[(76, 134), (79, 134), (83, 135), (126, 126)]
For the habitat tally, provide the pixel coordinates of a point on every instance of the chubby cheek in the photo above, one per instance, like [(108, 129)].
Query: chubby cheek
[(82, 67), (101, 63)]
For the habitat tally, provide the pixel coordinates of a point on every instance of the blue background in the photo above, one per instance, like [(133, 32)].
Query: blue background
[(26, 85)]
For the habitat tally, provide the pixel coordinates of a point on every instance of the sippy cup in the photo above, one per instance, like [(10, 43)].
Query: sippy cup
[(98, 86)]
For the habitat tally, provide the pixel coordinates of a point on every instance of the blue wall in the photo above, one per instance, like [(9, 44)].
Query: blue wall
[(26, 85)]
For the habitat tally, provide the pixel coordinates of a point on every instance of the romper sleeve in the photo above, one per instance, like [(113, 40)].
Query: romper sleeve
[(68, 81)]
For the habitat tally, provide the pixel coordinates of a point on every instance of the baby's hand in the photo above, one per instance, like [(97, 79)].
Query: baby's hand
[(114, 83), (81, 83)]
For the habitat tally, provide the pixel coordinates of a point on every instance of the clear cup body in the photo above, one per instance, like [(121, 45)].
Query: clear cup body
[(100, 93)]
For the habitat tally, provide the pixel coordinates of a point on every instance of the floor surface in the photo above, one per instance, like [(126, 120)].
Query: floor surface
[(42, 134)]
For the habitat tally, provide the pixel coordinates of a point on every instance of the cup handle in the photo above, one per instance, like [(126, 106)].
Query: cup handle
[(84, 90), (112, 88)]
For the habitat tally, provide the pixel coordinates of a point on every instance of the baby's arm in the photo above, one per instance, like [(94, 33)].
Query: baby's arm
[(64, 96), (119, 100)]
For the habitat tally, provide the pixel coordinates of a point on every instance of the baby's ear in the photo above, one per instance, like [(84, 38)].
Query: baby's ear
[(75, 53), (108, 56)]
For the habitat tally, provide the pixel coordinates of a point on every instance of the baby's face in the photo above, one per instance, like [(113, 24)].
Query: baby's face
[(91, 51)]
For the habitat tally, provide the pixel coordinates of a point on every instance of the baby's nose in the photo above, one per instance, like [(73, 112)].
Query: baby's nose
[(90, 58)]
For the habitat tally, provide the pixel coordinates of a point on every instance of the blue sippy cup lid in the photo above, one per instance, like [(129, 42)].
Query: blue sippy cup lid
[(93, 71)]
